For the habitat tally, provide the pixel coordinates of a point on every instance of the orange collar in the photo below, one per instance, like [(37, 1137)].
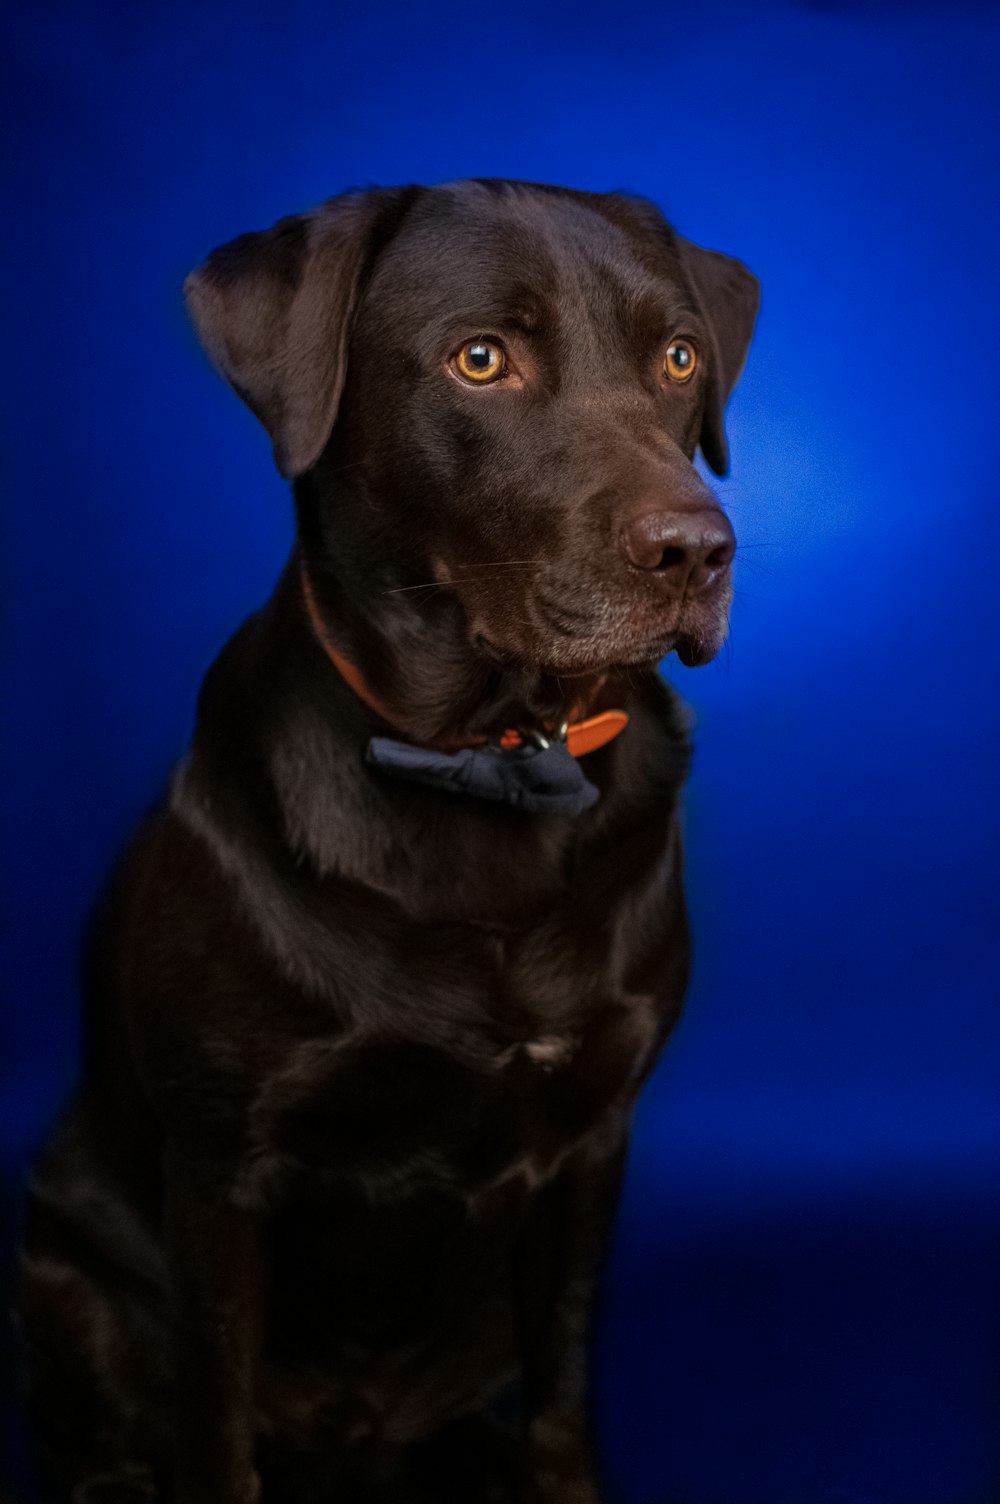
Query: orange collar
[(581, 736)]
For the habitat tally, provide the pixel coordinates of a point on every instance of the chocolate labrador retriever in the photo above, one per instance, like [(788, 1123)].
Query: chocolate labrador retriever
[(374, 991)]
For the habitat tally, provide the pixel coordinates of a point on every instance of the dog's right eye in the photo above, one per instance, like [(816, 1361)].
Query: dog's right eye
[(480, 361)]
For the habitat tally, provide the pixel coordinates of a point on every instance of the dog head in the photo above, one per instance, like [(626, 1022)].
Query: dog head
[(498, 388)]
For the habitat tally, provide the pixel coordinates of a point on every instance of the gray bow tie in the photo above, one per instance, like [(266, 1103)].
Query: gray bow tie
[(544, 780)]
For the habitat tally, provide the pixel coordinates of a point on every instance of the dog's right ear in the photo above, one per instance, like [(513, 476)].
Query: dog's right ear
[(274, 308)]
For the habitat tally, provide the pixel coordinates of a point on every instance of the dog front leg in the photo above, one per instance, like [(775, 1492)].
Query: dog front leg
[(214, 1249), (557, 1262)]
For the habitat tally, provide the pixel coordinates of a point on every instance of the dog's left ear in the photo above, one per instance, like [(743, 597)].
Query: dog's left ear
[(274, 310), (729, 297)]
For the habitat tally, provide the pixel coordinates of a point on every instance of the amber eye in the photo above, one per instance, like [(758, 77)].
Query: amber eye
[(680, 360), (480, 361)]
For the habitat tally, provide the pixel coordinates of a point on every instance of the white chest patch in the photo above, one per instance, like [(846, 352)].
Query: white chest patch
[(550, 1051)]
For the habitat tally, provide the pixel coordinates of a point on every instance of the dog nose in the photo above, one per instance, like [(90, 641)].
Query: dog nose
[(690, 550)]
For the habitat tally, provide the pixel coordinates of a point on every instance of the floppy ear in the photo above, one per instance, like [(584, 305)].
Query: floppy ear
[(274, 308), (729, 297)]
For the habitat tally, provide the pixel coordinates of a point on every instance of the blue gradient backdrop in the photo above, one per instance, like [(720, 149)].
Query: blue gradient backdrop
[(801, 1307)]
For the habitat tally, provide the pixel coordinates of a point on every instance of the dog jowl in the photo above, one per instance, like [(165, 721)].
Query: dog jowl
[(374, 990)]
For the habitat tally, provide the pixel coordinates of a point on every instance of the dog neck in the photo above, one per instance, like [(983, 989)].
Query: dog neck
[(583, 733), (454, 698)]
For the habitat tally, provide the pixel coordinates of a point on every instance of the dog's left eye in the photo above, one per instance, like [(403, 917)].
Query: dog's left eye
[(480, 360), (680, 360)]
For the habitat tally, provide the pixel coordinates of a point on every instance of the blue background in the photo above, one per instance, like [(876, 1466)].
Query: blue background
[(802, 1306)]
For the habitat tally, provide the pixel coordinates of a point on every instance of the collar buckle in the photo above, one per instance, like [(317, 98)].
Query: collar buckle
[(544, 739)]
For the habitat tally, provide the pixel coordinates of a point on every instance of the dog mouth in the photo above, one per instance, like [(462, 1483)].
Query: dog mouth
[(693, 649), (557, 628), (695, 652)]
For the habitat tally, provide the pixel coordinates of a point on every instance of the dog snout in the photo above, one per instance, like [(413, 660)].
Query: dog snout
[(688, 551)]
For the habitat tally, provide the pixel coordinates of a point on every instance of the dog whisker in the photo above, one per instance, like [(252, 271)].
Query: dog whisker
[(499, 564), (759, 567), (424, 585), (466, 579), (351, 465)]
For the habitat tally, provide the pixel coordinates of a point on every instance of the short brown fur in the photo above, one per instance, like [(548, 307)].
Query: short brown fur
[(362, 1056)]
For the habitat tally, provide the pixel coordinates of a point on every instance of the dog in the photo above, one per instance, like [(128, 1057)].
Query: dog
[(373, 992)]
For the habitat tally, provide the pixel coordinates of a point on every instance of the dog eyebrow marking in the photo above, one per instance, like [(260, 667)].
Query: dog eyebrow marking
[(655, 316), (491, 313), (524, 321)]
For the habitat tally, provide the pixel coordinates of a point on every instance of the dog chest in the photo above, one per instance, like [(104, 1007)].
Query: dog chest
[(392, 1115)]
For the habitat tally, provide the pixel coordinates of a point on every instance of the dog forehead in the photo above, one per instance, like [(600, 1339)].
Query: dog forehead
[(511, 247)]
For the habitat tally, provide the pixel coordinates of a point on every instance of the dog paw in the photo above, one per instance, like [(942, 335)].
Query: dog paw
[(562, 1488), (560, 1466), (246, 1490), (567, 1479), (116, 1488)]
